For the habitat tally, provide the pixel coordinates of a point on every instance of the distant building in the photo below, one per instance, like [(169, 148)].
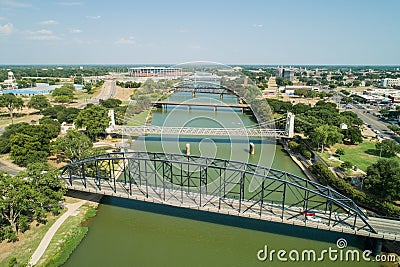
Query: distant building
[(286, 73), (390, 82), (306, 87), (154, 72), (343, 126)]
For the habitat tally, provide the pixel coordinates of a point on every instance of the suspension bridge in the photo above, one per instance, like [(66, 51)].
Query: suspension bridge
[(224, 186)]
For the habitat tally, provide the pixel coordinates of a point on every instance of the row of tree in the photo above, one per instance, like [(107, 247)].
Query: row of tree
[(27, 197)]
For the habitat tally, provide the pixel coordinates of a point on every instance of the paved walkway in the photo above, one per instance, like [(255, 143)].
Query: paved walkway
[(72, 208)]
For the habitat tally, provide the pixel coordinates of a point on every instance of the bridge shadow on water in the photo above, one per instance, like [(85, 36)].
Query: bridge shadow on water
[(239, 222), (221, 140)]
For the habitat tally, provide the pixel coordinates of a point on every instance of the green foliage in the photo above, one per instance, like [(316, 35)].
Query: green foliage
[(110, 103), (61, 113), (293, 146), (353, 135), (325, 135), (340, 151), (64, 94), (95, 119), (388, 148), (282, 82), (29, 143), (11, 102), (29, 195), (383, 179), (129, 84), (395, 129), (326, 177), (12, 262), (73, 146), (346, 165), (39, 102)]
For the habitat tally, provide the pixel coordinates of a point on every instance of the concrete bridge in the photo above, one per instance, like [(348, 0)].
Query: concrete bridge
[(226, 187)]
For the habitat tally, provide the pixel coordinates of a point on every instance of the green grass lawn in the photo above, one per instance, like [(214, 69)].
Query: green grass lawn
[(362, 155), (67, 238), (139, 119)]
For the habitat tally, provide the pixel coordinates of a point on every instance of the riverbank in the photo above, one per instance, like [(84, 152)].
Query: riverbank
[(71, 232), (64, 241), (301, 162)]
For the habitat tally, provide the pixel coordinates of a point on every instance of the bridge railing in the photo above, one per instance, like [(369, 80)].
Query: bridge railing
[(216, 182)]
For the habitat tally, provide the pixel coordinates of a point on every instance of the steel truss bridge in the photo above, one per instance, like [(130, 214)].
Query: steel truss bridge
[(202, 87), (220, 186), (280, 128)]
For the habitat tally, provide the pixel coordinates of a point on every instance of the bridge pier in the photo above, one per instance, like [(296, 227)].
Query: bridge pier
[(215, 109), (194, 94), (376, 246), (251, 148), (221, 96), (188, 149)]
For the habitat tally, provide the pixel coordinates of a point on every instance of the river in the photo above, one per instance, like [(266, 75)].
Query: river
[(132, 233)]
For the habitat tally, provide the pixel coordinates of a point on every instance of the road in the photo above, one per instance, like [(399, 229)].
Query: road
[(9, 167), (368, 118), (374, 121), (108, 90)]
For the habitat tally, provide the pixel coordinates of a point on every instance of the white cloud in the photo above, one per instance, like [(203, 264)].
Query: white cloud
[(11, 3), (49, 22), (70, 3), (42, 35), (93, 17), (6, 29), (195, 46), (75, 31), (45, 37), (126, 41), (258, 25)]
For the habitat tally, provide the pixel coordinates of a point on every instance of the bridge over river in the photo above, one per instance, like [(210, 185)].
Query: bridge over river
[(227, 187)]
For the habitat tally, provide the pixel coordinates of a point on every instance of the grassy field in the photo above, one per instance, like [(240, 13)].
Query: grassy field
[(139, 119), (362, 155)]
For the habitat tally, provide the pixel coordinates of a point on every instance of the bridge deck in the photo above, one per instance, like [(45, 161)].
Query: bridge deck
[(254, 132), (270, 212), (200, 104)]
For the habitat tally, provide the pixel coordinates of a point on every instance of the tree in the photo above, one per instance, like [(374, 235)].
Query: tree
[(39, 102), (326, 135), (95, 119), (110, 103), (11, 102), (74, 145), (64, 94), (26, 149), (340, 151), (388, 148), (346, 165), (353, 134), (16, 199), (383, 179), (27, 196)]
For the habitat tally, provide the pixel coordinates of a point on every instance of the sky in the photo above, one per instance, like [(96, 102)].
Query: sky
[(356, 32)]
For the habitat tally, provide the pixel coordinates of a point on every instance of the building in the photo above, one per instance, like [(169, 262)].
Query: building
[(390, 82), (286, 73), (154, 72)]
